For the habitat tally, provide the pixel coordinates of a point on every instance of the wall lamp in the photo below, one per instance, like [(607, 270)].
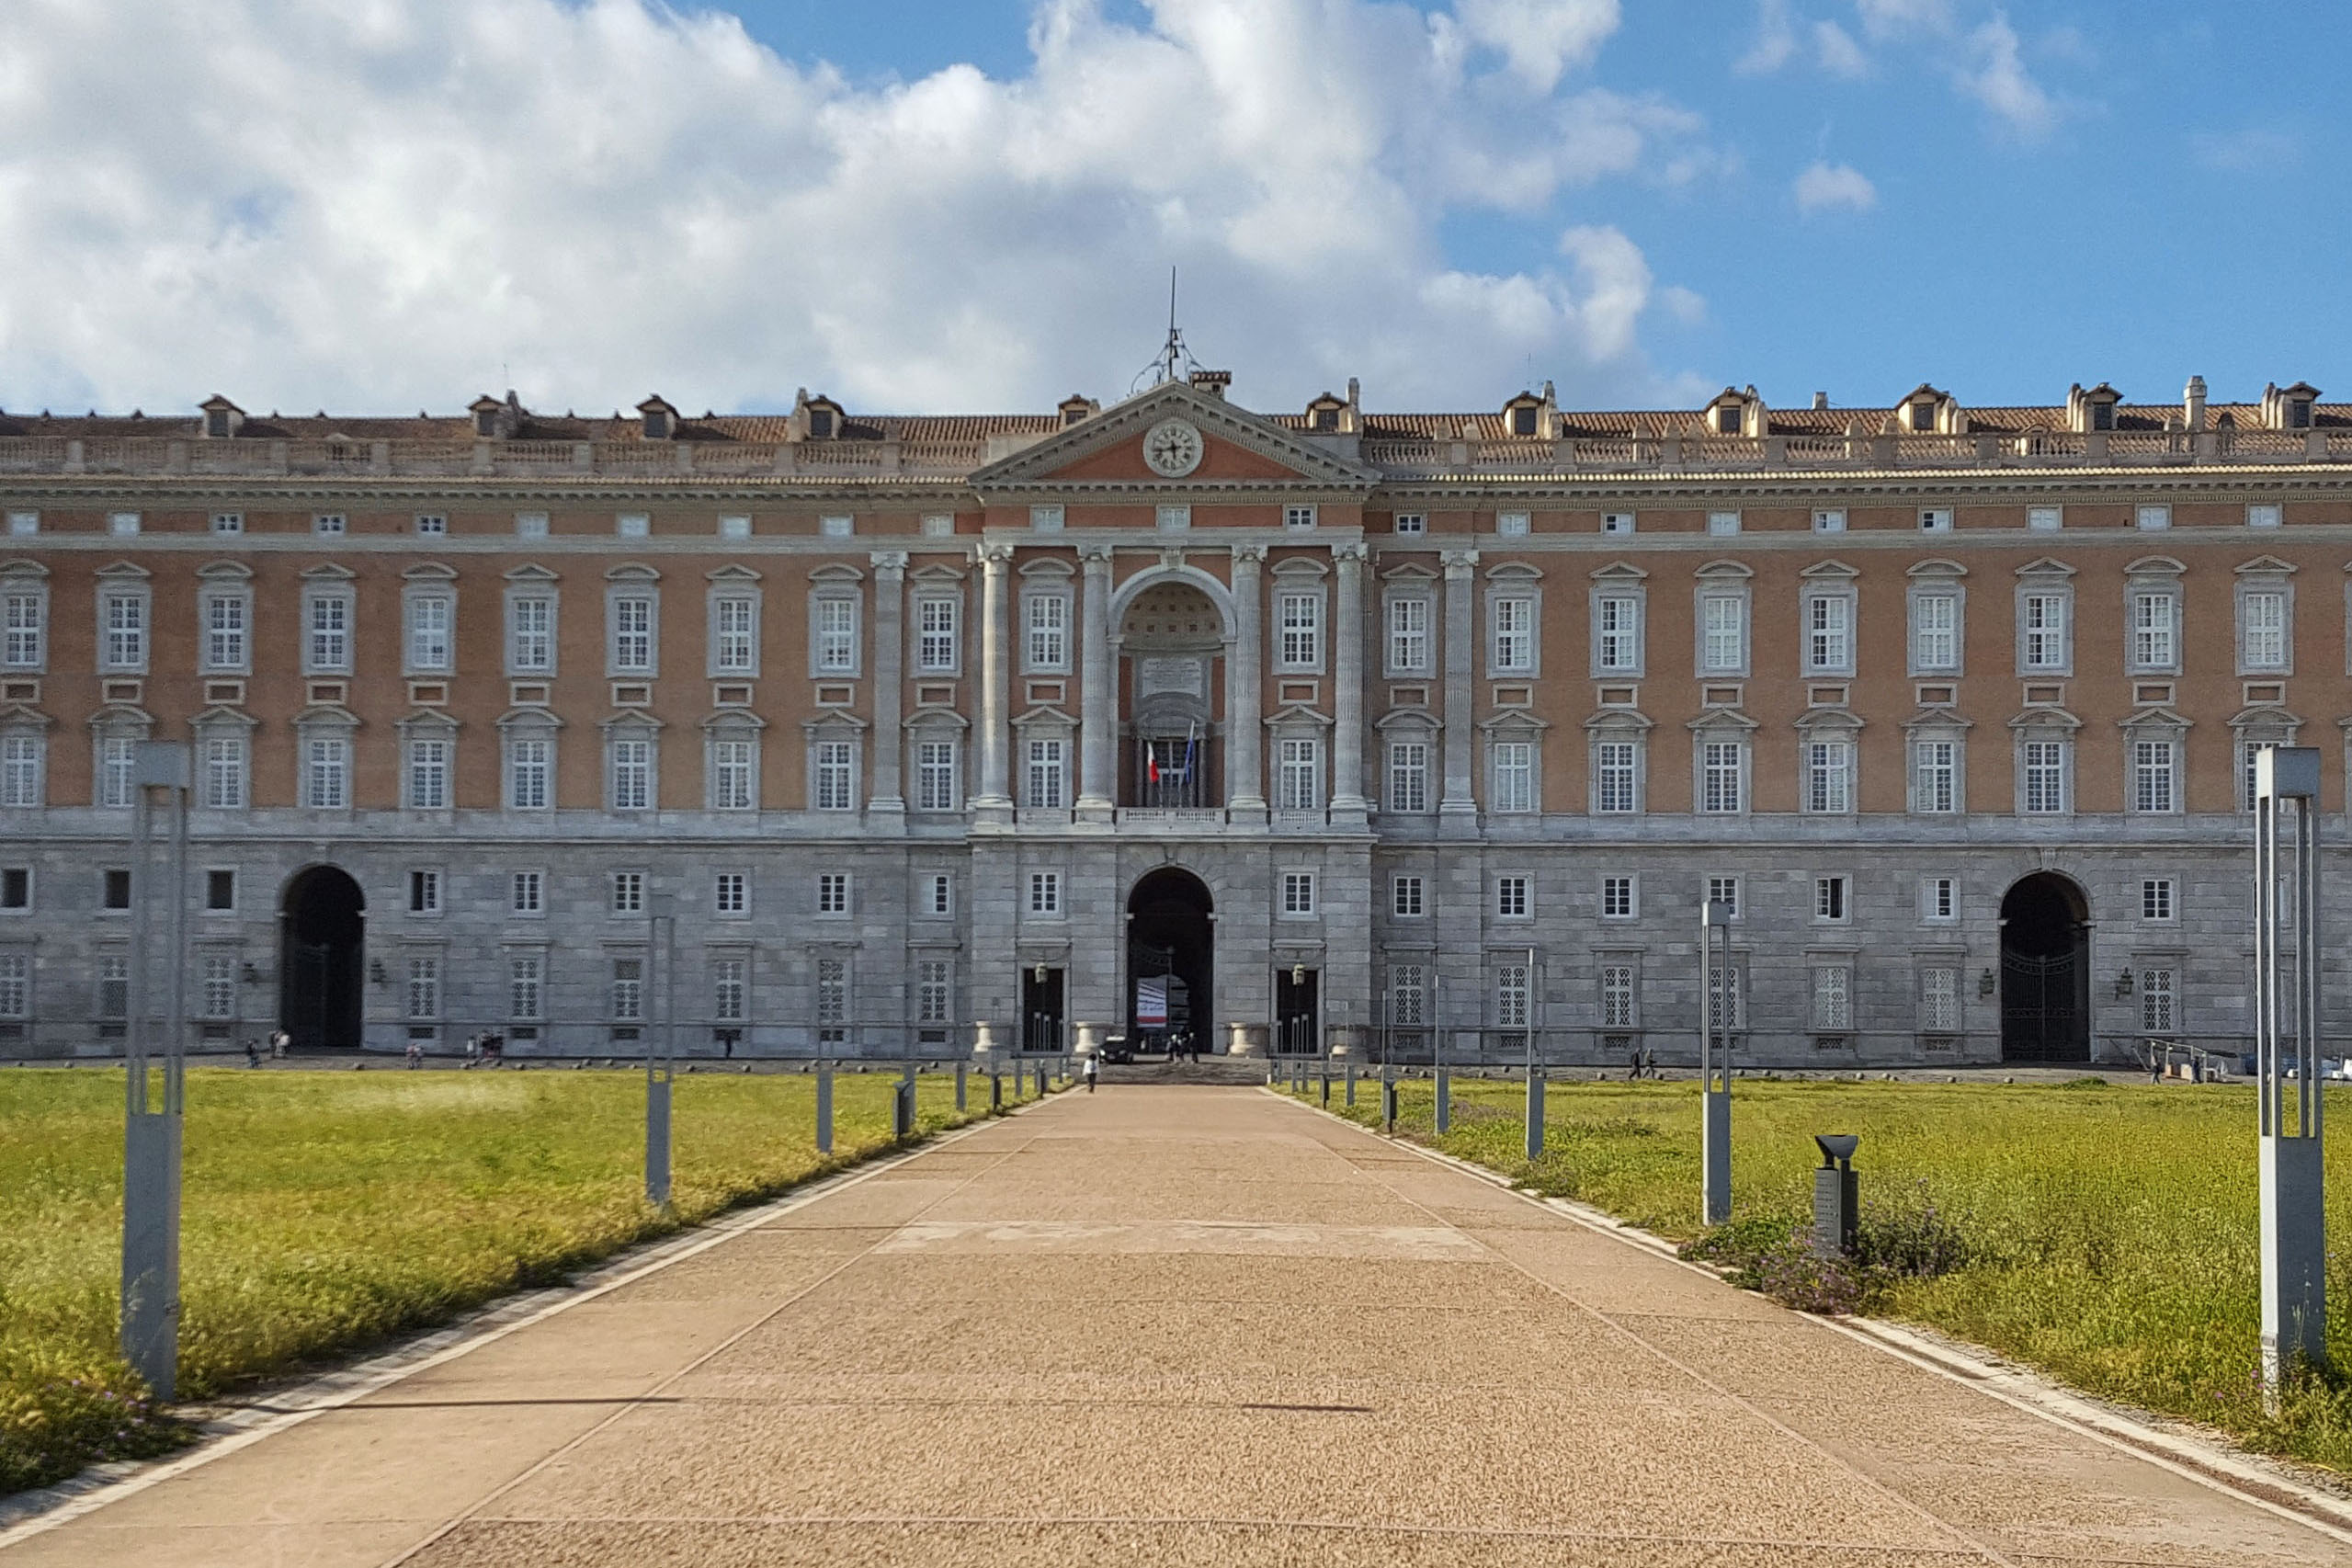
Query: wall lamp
[(1298, 974), (2123, 984), (1985, 984), (1039, 972)]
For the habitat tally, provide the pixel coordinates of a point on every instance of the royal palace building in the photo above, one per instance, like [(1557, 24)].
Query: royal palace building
[(1280, 731)]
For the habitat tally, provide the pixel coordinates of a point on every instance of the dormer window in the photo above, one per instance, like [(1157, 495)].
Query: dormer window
[(216, 422), (1727, 419), (820, 424), (1523, 419), (1072, 409), (2293, 407), (1326, 418), (2102, 416), (1923, 416), (658, 420), (2299, 414), (657, 424), (486, 422), (221, 418)]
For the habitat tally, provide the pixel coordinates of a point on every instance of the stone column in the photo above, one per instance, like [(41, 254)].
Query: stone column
[(1347, 701), (1098, 678), (995, 794), (1245, 762), (888, 796), (1460, 797)]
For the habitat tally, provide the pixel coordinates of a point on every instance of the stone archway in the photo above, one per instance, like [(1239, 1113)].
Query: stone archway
[(322, 963), (2045, 970), (1171, 962), (1172, 640)]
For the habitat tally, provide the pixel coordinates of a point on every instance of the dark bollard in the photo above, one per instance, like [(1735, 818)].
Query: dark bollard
[(1326, 1083), (1535, 1116), (824, 1107), (1836, 1208), (1387, 1103), (1351, 1084), (902, 1109), (995, 1091), (1445, 1100), (1041, 1081), (960, 1069)]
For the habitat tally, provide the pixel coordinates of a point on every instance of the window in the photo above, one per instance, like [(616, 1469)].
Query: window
[(526, 986), (1298, 893), (329, 525), (432, 525), (17, 887), (1297, 516), (1722, 767), (940, 894), (1617, 898), (934, 992), (735, 526), (1935, 519), (633, 774), (833, 992), (122, 525), (727, 990), (1298, 775), (327, 773), (1511, 995), (1939, 999), (837, 775), (2150, 518), (935, 777), (1408, 994), (228, 522), (1617, 997), (1049, 632), (219, 890), (934, 635), (530, 634), (531, 769), (734, 634), (2152, 776), (1615, 777), (1409, 635), (125, 647), (527, 893), (1617, 630), (1616, 522), (1726, 891), (2045, 768), (2262, 614), (1514, 783), (1722, 523), (1045, 892), (1511, 901), (837, 636), (1832, 996), (1172, 519), (730, 893), (328, 649), (633, 525), (1046, 772), (224, 773), (1722, 647), (531, 525), (835, 527), (1935, 776), (429, 774), (227, 624), (22, 759), (1510, 524), (425, 892), (1829, 775), (1411, 523), (2159, 999), (1406, 898), (2157, 899), (428, 631), (628, 989), (1830, 901), (424, 986), (23, 628), (2045, 632), (117, 754), (23, 525), (2154, 641), (1301, 622), (1513, 621), (2263, 515), (114, 987), (1934, 632), (733, 765), (633, 633), (1831, 520), (1829, 648), (1046, 519), (217, 982), (1408, 775), (627, 892), (2045, 519)]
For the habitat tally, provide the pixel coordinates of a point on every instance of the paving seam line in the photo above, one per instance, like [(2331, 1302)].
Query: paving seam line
[(2234, 1475), (36, 1512)]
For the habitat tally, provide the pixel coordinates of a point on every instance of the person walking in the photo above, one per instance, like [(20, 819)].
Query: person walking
[(1094, 1069), (253, 1052), (278, 1040)]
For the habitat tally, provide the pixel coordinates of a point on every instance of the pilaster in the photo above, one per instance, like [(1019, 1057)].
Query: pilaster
[(1097, 676), (1348, 804), (1459, 801), (1245, 767), (888, 804), (995, 799)]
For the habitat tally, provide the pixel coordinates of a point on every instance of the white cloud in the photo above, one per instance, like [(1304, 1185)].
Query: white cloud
[(1995, 74), (1825, 187), (379, 205), (1776, 41), (2254, 149), (1838, 53)]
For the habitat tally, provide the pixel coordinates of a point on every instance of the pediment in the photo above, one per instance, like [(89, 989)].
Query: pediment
[(328, 572), (2265, 567), (1715, 568), (735, 718), (2045, 566), (1937, 567), (1829, 569), (425, 569), (1939, 719), (1618, 571), (1242, 451), (221, 571), (731, 573), (630, 572), (1621, 719), (530, 571)]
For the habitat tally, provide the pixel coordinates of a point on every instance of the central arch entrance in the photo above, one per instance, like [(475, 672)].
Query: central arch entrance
[(2045, 970), (321, 962), (1171, 947)]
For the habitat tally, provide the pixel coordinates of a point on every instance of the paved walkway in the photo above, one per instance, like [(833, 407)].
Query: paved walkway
[(1187, 1326)]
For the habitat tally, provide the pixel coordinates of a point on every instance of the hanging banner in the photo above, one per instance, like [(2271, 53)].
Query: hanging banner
[(1151, 1002)]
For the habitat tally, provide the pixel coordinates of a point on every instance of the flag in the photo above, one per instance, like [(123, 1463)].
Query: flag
[(1151, 762)]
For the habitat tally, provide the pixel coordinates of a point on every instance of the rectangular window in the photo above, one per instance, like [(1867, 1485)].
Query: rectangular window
[(734, 525), (2045, 776), (1511, 995), (1513, 776), (221, 891), (2159, 999), (1406, 898), (2262, 515), (732, 763), (2045, 632), (1511, 523), (1726, 891), (1939, 1000), (633, 525), (2153, 518), (330, 641), (836, 781), (17, 887), (530, 634), (424, 986), (1935, 519), (1409, 635), (1830, 901), (1832, 996), (226, 628), (1046, 774), (21, 760), (2152, 776), (833, 992), (628, 990), (224, 773), (1828, 635), (730, 893), (116, 756), (1172, 519), (1617, 623), (1616, 522), (1045, 892), (125, 631), (217, 996), (429, 774), (1723, 648), (114, 986), (1511, 901), (114, 890), (527, 893), (1722, 523), (836, 527), (935, 636), (432, 525), (425, 892), (2045, 519), (428, 632), (1299, 777), (628, 892), (531, 525), (228, 522), (1513, 621), (1302, 621), (1297, 516), (940, 894), (734, 645), (836, 635), (1049, 632), (633, 634), (531, 769), (1722, 773), (1934, 632), (23, 630), (2154, 645), (1829, 775), (727, 990), (1615, 775), (1046, 519), (1298, 893), (2157, 899), (23, 525), (1830, 520), (1935, 772), (1411, 523), (526, 987), (1408, 995), (2264, 612), (1617, 997), (633, 775), (1617, 898), (934, 992), (935, 777), (326, 774), (329, 525), (1408, 775)]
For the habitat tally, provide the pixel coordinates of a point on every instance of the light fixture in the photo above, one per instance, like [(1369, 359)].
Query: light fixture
[(2123, 984), (1298, 974), (1039, 972), (1985, 984), (249, 974)]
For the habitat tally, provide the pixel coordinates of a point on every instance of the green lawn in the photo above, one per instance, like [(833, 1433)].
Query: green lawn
[(324, 1211), (2104, 1234)]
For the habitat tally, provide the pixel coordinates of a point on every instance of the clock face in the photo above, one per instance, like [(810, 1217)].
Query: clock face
[(1173, 449)]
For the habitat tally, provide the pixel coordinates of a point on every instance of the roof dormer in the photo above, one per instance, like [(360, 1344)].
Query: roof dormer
[(489, 416), (1327, 415), (222, 417), (1927, 410), (2091, 410), (1530, 414), (659, 419), (1736, 410), (1076, 407), (2289, 408), (816, 418)]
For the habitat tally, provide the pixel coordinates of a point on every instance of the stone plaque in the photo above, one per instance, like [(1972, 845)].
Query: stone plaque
[(1167, 674)]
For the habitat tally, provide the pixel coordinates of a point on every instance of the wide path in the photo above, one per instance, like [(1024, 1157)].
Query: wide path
[(1176, 1326)]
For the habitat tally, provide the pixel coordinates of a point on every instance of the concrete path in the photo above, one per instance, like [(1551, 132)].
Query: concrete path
[(1179, 1325)]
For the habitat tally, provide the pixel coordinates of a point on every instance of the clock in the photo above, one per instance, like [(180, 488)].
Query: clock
[(1173, 447)]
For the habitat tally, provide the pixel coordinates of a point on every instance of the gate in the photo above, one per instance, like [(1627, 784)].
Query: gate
[(2041, 1016)]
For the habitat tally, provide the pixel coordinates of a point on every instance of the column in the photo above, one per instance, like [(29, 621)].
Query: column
[(994, 793), (1347, 704), (1245, 765), (1460, 797), (1099, 718), (890, 690)]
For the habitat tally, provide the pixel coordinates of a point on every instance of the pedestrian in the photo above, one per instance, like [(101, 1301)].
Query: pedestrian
[(1093, 1068), (415, 1056), (253, 1052), (1634, 1064), (278, 1040)]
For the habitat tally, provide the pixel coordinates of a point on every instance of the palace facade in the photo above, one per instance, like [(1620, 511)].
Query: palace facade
[(1284, 731)]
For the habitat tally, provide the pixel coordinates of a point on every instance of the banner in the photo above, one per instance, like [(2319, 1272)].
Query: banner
[(1151, 1002)]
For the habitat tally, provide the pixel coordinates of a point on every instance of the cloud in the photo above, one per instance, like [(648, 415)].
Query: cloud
[(1995, 74), (380, 206), (1824, 187), (2255, 149), (1776, 41), (1838, 53)]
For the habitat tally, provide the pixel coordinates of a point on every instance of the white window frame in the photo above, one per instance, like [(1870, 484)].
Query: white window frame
[(1512, 641), (730, 895), (835, 616), (2045, 519), (2153, 785), (2152, 517), (2045, 629), (24, 624), (1831, 995), (1723, 525), (125, 624), (2047, 779), (938, 895), (735, 620), (1408, 896), (1299, 628), (1045, 895), (1045, 632), (427, 648), (938, 773), (1620, 896), (1618, 649), (1939, 899), (330, 627), (1728, 891), (1409, 618), (527, 893), (2151, 629), (835, 897), (1829, 519), (938, 634), (1406, 781), (1833, 899), (2159, 901), (1514, 783), (634, 630), (1722, 790), (1620, 523), (116, 754), (1723, 619), (1938, 783), (1298, 516), (225, 760), (528, 762), (1514, 896), (1827, 774), (733, 761), (832, 774), (2266, 588), (524, 605), (1298, 773), (426, 772), (1409, 525), (1829, 632), (632, 770), (1045, 772), (24, 768), (1300, 900), (1618, 773), (325, 761)]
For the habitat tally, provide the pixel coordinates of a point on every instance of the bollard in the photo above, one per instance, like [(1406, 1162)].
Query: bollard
[(1445, 1100), (902, 1108), (1326, 1083), (1836, 1209), (824, 1107), (1040, 1080), (1535, 1115), (1351, 1084), (1387, 1103), (995, 1090), (960, 1088)]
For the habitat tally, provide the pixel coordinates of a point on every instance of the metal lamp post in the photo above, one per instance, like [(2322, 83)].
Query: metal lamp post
[(150, 1143), (1535, 1073), (661, 1054), (1715, 1061), (1444, 1080), (2287, 1042)]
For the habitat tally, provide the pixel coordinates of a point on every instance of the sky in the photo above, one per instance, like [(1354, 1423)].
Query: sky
[(374, 206)]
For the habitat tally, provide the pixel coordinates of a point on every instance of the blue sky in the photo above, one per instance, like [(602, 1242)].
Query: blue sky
[(973, 205)]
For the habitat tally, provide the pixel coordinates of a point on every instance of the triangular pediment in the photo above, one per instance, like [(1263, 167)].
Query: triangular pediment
[(1240, 450)]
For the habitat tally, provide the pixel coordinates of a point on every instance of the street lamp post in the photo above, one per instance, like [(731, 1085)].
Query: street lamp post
[(660, 1054), (1444, 1115), (2287, 1043), (150, 1143), (1715, 1061), (1535, 1073)]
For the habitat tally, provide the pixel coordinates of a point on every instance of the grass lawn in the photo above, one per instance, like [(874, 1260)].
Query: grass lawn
[(2105, 1235), (322, 1210)]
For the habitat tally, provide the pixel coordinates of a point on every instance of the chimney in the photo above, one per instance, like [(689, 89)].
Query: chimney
[(1820, 400), (1212, 384), (2193, 402)]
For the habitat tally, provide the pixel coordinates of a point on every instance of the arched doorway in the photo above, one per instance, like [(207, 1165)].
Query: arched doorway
[(1171, 946), (2045, 970), (1172, 638), (322, 926)]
